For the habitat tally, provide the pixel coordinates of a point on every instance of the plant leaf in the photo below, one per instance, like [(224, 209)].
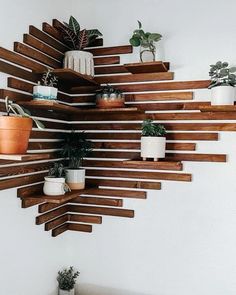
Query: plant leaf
[(154, 37), (74, 26), (69, 36), (83, 40), (93, 32), (139, 24), (134, 41)]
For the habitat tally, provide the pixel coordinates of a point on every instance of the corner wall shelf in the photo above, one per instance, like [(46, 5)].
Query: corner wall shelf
[(147, 67)]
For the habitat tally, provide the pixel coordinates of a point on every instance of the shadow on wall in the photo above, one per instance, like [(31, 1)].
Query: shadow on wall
[(89, 289)]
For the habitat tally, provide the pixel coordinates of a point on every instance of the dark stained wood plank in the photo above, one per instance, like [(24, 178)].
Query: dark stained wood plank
[(14, 95), (25, 157), (56, 222), (103, 70), (218, 108), (159, 96), (118, 193), (52, 214), (59, 230), (196, 157), (98, 201), (108, 60), (85, 218), (147, 67), (80, 227), (123, 49)]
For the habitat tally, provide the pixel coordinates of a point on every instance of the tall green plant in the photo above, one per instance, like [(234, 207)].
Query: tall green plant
[(76, 147), (67, 278), (222, 75), (74, 37), (151, 129)]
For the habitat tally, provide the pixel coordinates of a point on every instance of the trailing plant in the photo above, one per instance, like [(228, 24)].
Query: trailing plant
[(222, 75), (76, 147), (151, 129), (57, 171), (74, 37), (108, 89), (49, 79), (19, 111), (144, 39), (67, 278)]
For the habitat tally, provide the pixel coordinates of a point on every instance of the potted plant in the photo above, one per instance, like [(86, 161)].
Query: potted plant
[(15, 128), (109, 97), (77, 39), (153, 141), (146, 41), (222, 84), (46, 89), (67, 280), (75, 147), (54, 184)]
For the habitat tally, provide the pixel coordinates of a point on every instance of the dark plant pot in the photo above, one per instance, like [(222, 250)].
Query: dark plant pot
[(105, 101)]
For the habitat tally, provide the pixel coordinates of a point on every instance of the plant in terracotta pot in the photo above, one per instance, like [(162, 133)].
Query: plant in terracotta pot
[(147, 43), (77, 39), (15, 128), (46, 88), (67, 280), (75, 147), (153, 141), (109, 97), (54, 184), (223, 81)]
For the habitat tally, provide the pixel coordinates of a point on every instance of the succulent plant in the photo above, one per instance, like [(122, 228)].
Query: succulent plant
[(222, 75), (49, 79), (108, 89)]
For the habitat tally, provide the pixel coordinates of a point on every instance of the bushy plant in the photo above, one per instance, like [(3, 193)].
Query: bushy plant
[(108, 89), (76, 147), (57, 171), (67, 278), (74, 37), (222, 75), (151, 129), (49, 79)]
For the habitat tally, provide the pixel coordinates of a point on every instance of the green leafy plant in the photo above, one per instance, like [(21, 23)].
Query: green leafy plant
[(144, 39), (19, 111), (67, 278), (222, 75), (76, 147), (57, 171), (108, 89), (49, 79), (74, 37), (151, 129)]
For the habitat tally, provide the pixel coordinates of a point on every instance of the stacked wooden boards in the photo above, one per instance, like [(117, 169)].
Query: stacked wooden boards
[(114, 171)]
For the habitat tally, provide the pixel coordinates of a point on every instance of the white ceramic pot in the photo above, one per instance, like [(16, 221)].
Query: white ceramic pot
[(63, 292), (75, 178), (44, 92), (153, 147), (54, 186), (79, 61), (222, 95)]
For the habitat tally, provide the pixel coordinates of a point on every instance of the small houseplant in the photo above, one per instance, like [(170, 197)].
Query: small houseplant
[(109, 97), (67, 280), (146, 41), (223, 81), (15, 128), (54, 184), (75, 147), (46, 88), (153, 141), (77, 39)]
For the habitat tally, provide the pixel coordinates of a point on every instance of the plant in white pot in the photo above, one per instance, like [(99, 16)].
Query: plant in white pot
[(76, 39), (67, 280), (223, 81), (46, 88), (54, 184), (153, 141), (109, 97), (75, 148)]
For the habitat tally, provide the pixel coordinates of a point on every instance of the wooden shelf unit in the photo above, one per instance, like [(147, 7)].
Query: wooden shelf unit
[(147, 67), (25, 157)]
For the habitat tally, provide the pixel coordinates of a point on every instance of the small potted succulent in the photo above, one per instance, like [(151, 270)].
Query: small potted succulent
[(109, 97), (15, 128), (54, 184), (153, 141), (76, 39), (46, 89), (67, 280), (75, 147), (223, 81), (146, 41)]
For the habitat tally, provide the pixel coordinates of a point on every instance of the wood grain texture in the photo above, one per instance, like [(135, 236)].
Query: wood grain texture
[(118, 193), (159, 96), (123, 49)]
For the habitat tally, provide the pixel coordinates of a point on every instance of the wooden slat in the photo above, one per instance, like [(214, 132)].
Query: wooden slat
[(102, 211), (26, 203), (98, 201), (110, 70), (25, 157), (124, 49), (29, 190), (147, 67), (14, 95), (159, 96), (80, 227), (59, 230), (196, 157), (135, 78), (45, 207), (108, 60), (52, 214), (85, 218), (50, 30), (218, 108), (37, 55), (56, 222)]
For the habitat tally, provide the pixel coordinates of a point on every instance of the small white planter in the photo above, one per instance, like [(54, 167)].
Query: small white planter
[(222, 95), (75, 178), (54, 186), (44, 92), (79, 61), (63, 292), (153, 147)]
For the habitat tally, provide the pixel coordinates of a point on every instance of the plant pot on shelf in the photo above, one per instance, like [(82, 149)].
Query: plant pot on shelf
[(222, 95), (14, 134), (153, 147), (75, 178), (64, 292), (54, 186), (44, 92), (110, 101), (79, 61)]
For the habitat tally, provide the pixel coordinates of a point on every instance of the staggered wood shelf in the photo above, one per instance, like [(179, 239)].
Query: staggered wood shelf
[(159, 165), (25, 157), (147, 67), (218, 108)]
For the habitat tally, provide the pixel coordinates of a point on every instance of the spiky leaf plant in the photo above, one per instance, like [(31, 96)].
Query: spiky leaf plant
[(57, 171), (151, 129)]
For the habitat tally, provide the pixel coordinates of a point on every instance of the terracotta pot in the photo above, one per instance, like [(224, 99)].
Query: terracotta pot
[(14, 134), (111, 101)]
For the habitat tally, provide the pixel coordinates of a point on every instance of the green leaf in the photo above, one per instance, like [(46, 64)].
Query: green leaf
[(232, 69), (94, 32), (74, 25), (139, 24), (135, 41), (155, 37)]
